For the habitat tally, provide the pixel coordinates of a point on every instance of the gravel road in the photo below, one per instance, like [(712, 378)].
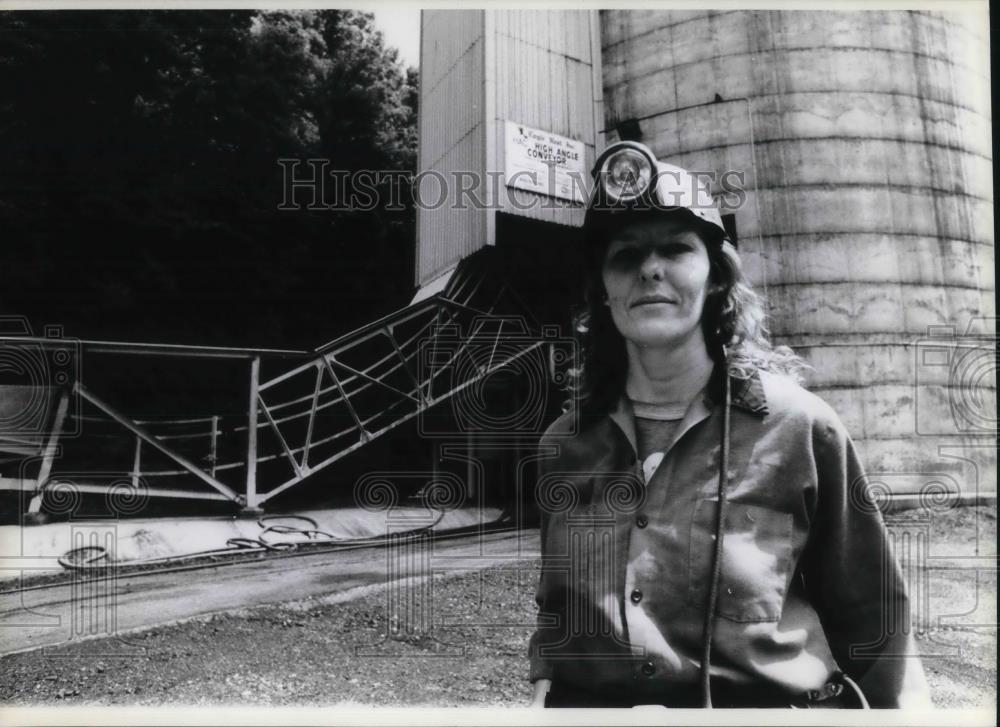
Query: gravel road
[(454, 640)]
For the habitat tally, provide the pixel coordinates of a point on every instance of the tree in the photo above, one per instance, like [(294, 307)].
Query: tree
[(139, 181)]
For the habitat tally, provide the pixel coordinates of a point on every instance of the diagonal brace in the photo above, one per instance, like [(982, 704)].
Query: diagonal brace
[(365, 436), (152, 440), (281, 439), (406, 366), (331, 360)]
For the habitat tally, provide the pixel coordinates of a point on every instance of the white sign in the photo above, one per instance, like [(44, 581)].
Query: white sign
[(549, 164)]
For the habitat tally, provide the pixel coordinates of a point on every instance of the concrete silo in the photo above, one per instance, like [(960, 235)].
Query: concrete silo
[(865, 140)]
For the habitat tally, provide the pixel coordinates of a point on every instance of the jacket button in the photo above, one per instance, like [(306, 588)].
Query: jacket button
[(636, 595), (642, 521), (649, 668)]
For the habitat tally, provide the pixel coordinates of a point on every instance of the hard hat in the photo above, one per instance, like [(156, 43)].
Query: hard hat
[(628, 177)]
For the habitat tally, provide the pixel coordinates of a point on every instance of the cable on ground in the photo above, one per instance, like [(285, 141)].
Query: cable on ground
[(94, 557)]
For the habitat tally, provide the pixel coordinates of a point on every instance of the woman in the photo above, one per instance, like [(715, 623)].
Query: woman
[(706, 535)]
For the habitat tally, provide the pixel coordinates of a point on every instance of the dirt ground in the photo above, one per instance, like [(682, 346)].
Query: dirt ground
[(458, 640)]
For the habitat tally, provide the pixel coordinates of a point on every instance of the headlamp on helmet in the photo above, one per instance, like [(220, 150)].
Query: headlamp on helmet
[(626, 174)]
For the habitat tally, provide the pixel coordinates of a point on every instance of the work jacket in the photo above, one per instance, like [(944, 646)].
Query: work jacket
[(809, 583)]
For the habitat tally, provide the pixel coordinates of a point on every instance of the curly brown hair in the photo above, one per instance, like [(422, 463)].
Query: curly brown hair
[(733, 323)]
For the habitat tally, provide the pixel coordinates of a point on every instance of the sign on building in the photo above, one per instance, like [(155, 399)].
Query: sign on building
[(545, 163)]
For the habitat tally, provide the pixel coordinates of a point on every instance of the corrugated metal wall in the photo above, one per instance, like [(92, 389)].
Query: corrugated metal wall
[(452, 137), (543, 75), (481, 68), (865, 138)]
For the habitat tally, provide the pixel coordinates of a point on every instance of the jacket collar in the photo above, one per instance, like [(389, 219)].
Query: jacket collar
[(746, 393)]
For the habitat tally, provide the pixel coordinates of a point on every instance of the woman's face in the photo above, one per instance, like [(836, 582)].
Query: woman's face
[(656, 276)]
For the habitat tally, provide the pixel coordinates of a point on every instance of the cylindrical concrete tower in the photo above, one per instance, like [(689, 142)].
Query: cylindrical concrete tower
[(865, 141)]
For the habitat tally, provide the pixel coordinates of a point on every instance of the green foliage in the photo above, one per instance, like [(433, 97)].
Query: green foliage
[(139, 176)]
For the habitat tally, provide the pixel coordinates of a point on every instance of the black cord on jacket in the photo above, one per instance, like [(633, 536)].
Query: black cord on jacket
[(720, 519)]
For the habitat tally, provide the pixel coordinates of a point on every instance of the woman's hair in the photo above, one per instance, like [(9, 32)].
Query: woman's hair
[(733, 322)]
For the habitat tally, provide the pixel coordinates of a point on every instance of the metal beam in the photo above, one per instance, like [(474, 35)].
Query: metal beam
[(312, 415), (157, 349), (137, 463), (496, 342), (151, 439), (214, 451), (254, 397), (281, 441), (18, 485), (50, 447)]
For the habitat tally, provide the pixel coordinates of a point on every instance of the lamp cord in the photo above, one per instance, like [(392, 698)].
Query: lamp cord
[(720, 519)]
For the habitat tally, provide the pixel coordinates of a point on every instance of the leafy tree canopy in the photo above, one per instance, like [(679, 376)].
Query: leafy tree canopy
[(140, 183)]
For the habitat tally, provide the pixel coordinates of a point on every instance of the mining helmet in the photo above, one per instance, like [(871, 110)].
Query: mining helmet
[(628, 177)]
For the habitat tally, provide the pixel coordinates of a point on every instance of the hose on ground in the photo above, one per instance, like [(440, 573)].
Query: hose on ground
[(95, 557)]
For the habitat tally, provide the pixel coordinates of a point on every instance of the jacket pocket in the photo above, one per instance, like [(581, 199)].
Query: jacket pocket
[(756, 556)]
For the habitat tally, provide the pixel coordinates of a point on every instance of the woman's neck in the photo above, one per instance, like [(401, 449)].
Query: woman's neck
[(668, 375)]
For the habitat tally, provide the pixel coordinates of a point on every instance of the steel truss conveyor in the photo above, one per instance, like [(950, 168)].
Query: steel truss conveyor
[(330, 402)]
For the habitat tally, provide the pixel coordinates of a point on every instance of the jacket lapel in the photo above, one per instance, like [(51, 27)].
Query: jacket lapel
[(747, 393)]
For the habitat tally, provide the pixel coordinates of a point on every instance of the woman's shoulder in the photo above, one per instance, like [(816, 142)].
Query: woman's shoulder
[(788, 400), (577, 427), (565, 425)]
